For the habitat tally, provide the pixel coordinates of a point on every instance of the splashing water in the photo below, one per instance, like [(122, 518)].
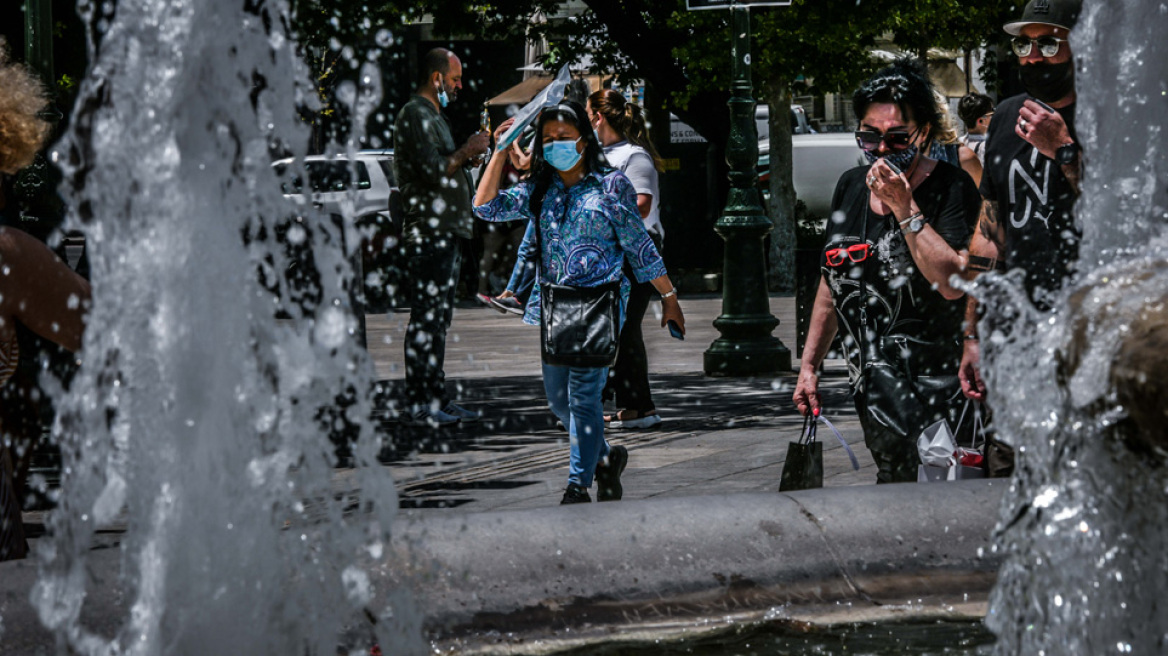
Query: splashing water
[(1086, 519), (195, 410)]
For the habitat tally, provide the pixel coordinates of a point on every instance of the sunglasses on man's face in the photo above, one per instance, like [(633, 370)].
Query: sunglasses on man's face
[(894, 139), (855, 253), (1048, 46)]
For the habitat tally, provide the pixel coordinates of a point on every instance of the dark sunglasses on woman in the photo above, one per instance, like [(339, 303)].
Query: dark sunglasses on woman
[(1048, 46), (894, 139)]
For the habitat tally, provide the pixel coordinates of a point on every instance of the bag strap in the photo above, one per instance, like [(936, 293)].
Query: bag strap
[(539, 235), (539, 231), (843, 442), (807, 435), (978, 424)]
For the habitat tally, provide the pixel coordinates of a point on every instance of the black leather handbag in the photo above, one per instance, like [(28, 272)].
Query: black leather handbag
[(912, 385), (579, 325)]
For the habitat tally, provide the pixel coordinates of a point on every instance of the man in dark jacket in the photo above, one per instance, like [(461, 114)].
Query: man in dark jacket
[(436, 186)]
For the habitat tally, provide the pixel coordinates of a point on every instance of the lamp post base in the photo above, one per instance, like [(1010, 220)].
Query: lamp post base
[(746, 358)]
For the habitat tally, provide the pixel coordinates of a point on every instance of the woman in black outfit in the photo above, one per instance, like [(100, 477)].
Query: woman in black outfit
[(37, 290), (897, 235)]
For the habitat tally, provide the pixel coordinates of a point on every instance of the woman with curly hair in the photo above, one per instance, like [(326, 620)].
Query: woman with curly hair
[(37, 289), (898, 234)]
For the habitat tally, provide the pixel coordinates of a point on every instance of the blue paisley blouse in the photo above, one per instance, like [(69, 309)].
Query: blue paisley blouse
[(589, 230)]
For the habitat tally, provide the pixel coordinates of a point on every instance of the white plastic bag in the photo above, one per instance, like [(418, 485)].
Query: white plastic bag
[(937, 446), (940, 455), (552, 94)]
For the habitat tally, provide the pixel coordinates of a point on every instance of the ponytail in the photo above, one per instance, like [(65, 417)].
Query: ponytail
[(628, 119)]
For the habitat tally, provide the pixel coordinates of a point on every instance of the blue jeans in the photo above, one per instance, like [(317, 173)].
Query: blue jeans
[(574, 396)]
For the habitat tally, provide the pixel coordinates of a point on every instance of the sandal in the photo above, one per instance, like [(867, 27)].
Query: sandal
[(638, 419)]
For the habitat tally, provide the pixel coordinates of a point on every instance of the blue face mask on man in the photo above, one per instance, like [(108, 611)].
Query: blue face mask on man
[(443, 99), (562, 154)]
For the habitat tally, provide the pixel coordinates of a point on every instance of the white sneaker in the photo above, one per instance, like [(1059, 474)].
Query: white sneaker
[(427, 417), (461, 413)]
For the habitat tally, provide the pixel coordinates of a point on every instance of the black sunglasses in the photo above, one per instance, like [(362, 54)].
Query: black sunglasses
[(894, 139), (1048, 46)]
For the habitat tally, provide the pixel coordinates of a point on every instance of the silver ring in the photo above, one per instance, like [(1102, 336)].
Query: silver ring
[(1022, 123), (871, 179)]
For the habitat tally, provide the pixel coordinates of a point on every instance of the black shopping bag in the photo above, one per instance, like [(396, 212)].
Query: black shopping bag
[(803, 468)]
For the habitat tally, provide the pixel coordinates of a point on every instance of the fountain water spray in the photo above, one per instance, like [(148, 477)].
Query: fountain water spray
[(196, 412), (1084, 524)]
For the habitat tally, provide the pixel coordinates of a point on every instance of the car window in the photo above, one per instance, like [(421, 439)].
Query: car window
[(363, 181), (387, 168)]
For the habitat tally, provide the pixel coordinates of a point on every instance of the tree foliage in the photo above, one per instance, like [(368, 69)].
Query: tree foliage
[(811, 46)]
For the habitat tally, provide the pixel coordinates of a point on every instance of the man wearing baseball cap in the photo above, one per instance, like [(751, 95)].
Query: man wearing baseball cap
[(1032, 170)]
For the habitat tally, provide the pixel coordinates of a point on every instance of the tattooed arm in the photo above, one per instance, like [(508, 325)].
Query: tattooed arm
[(988, 242), (985, 252), (1074, 172)]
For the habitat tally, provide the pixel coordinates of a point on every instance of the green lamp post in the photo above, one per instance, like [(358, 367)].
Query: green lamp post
[(746, 346), (38, 38)]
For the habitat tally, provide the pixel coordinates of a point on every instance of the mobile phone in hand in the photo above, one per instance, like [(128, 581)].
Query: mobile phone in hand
[(674, 329), (895, 171), (1044, 105)]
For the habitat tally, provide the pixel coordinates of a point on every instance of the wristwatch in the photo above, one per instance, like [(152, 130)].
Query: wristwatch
[(913, 224), (1066, 153)]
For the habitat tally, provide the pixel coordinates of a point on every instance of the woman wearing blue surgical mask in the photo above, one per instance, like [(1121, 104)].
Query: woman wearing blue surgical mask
[(590, 225), (898, 232)]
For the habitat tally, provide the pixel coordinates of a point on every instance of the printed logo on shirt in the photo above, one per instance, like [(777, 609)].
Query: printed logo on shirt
[(1024, 180)]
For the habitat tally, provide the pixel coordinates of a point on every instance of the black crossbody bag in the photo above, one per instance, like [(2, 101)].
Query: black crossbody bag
[(579, 326)]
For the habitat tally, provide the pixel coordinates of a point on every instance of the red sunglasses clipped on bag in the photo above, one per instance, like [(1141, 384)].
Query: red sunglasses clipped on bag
[(855, 253)]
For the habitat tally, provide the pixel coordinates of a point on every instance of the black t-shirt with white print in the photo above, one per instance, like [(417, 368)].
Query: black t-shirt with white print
[(886, 293), (1035, 202)]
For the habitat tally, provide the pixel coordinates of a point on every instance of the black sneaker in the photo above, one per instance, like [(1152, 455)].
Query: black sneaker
[(575, 494), (608, 473)]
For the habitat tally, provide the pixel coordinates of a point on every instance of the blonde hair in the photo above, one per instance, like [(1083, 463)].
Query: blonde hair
[(945, 132), (22, 131)]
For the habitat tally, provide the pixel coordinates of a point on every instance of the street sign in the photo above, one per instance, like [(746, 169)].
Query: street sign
[(726, 4)]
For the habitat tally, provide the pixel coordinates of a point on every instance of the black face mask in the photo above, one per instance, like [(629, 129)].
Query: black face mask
[(1048, 82)]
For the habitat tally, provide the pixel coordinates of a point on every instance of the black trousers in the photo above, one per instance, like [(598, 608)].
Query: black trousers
[(896, 455), (432, 266), (628, 380)]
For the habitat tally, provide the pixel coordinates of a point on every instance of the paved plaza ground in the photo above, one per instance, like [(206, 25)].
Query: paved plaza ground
[(719, 435)]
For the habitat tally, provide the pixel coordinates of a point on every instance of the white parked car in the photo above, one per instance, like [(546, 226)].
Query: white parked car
[(354, 189), (817, 162), (363, 191)]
